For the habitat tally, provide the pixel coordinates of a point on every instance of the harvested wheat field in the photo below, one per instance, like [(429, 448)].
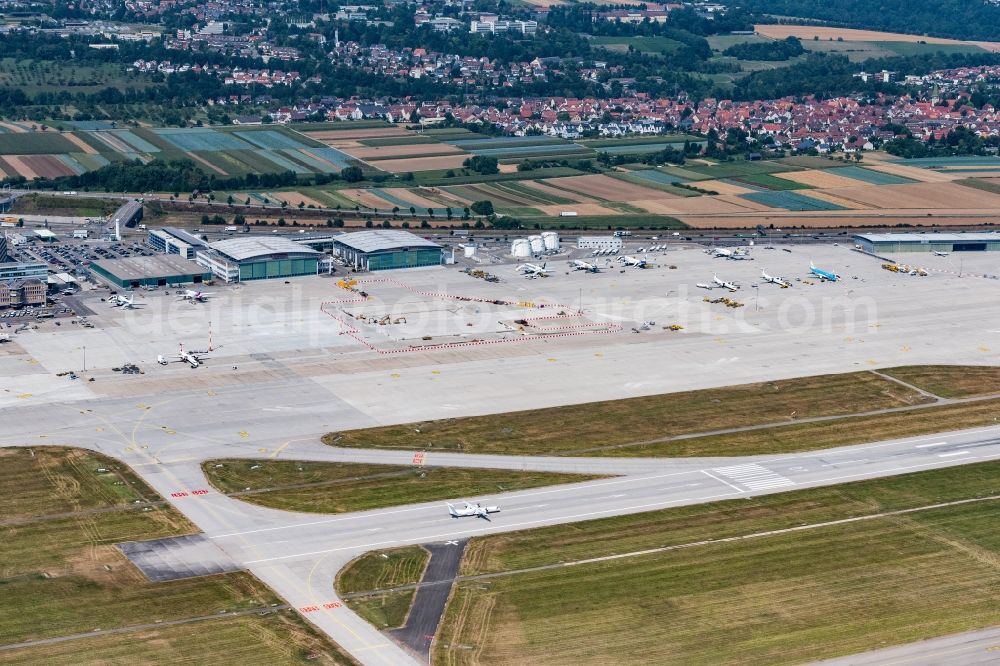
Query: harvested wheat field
[(838, 201), (922, 195), (507, 168), (294, 198), (422, 163), (386, 152), (820, 178), (19, 167), (16, 129), (604, 187), (80, 143), (824, 220), (914, 173), (556, 192), (850, 35), (721, 187), (579, 209), (366, 198), (413, 196), (708, 205)]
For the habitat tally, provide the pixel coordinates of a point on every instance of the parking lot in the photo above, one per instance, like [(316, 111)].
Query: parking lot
[(72, 257)]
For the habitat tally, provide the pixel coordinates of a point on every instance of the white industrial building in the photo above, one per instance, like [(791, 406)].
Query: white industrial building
[(613, 243)]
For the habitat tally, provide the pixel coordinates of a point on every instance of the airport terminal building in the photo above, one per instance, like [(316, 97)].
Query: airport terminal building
[(170, 240), (385, 249), (914, 242), (259, 258)]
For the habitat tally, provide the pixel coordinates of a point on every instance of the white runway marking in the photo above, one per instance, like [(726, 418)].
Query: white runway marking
[(754, 476), (954, 453), (927, 446)]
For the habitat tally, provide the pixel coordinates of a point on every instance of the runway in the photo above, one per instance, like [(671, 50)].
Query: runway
[(299, 554)]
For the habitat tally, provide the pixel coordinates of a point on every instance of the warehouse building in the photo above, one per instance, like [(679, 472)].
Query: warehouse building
[(155, 271), (260, 258), (385, 249), (913, 242), (171, 240)]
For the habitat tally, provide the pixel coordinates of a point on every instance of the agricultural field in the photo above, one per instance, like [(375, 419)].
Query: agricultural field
[(809, 590), (229, 151), (788, 200), (63, 511), (807, 32), (641, 44)]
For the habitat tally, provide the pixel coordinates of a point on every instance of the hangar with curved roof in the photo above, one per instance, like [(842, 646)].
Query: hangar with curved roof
[(383, 249), (259, 258)]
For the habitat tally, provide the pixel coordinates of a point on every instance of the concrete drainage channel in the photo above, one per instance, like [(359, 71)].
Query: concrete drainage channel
[(431, 597)]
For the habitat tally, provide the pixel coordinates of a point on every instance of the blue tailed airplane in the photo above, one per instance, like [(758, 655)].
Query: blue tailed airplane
[(821, 274)]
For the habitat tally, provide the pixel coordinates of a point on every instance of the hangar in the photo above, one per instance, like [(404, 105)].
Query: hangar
[(913, 242), (384, 249), (258, 258), (154, 271)]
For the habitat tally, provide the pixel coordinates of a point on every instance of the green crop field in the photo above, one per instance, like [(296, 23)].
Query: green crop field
[(36, 143), (737, 169), (604, 425), (783, 597), (641, 44), (771, 182), (64, 509)]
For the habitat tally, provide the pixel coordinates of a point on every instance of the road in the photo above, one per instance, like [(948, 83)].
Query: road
[(299, 555)]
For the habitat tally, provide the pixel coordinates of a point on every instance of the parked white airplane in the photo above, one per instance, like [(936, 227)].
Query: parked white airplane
[(585, 266), (774, 279), (940, 254), (125, 302), (192, 358), (731, 286), (470, 509), (534, 270), (195, 296), (632, 261)]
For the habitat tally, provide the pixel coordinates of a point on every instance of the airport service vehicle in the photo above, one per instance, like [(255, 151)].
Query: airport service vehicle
[(725, 284), (468, 509), (822, 274), (774, 279)]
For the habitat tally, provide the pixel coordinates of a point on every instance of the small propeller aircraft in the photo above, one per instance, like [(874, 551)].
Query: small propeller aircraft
[(470, 509)]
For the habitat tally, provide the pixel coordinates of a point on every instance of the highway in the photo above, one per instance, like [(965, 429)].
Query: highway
[(299, 555)]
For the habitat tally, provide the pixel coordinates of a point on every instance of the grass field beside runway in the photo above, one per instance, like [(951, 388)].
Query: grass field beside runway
[(323, 487), (950, 381), (577, 428), (62, 511), (825, 434), (381, 570), (786, 597)]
